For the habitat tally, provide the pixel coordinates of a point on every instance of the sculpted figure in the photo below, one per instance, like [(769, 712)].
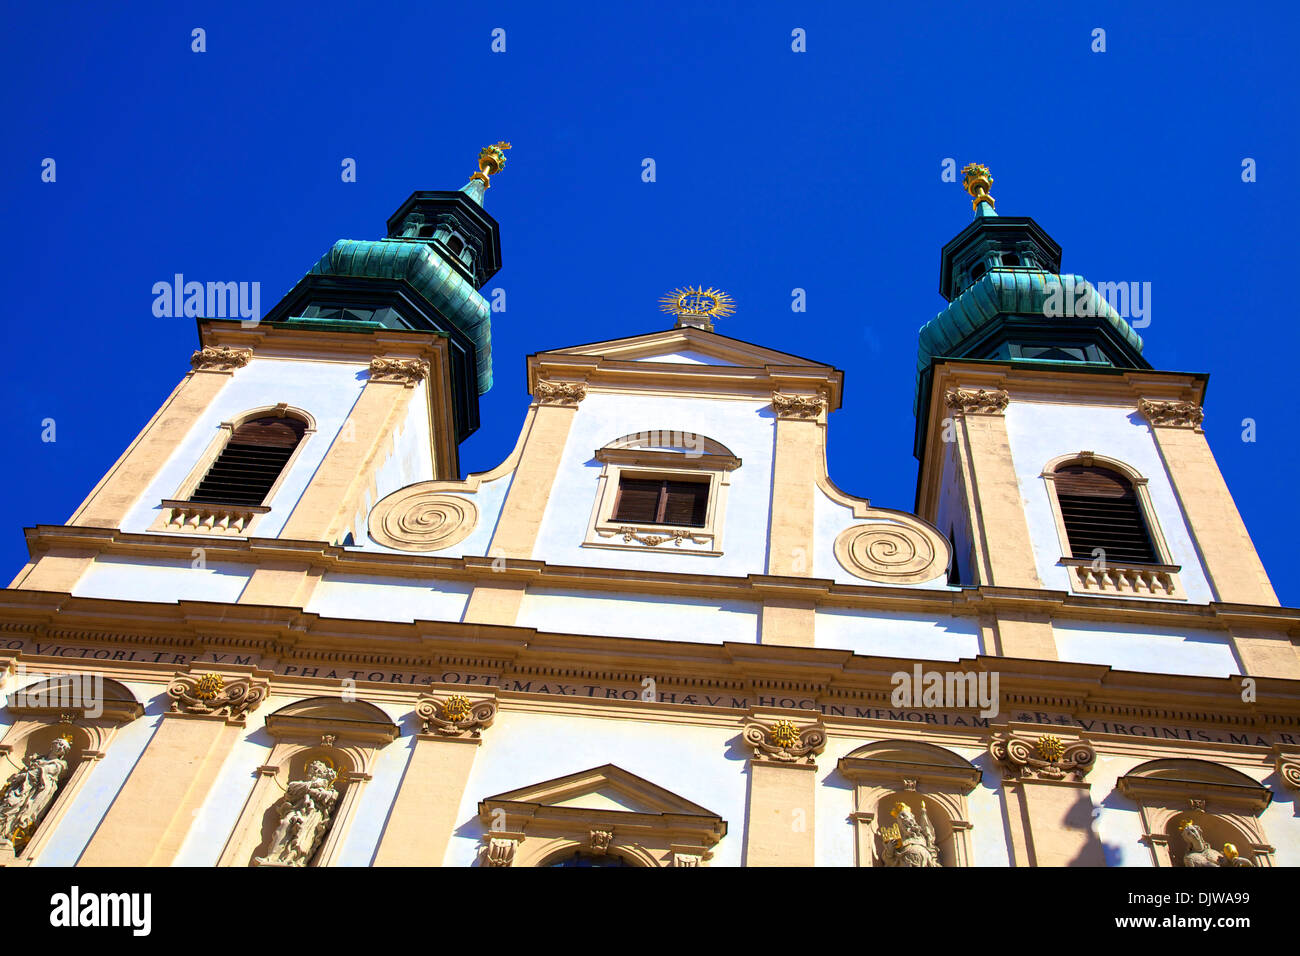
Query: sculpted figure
[(911, 842), (1200, 853), (28, 793), (305, 815)]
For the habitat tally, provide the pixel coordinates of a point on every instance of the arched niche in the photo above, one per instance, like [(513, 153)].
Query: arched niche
[(1225, 803), (84, 708), (346, 735), (889, 772)]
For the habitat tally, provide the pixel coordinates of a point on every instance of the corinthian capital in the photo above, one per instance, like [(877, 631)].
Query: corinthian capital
[(408, 372), (1172, 414), (970, 401), (560, 393), (220, 358), (798, 406)]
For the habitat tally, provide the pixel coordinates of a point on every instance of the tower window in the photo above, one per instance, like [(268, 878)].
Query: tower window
[(426, 232), (455, 243), (1010, 259), (656, 501), (251, 462), (1100, 509), (978, 270)]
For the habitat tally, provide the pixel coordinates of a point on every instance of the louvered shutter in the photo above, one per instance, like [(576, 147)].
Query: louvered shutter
[(638, 500), (685, 503), (251, 462), (1101, 510)]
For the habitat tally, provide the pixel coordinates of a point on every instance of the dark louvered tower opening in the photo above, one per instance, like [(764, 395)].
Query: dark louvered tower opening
[(1101, 510), (251, 462), (655, 501)]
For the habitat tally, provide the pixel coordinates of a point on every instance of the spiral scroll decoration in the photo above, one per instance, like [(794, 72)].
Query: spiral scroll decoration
[(420, 520), (890, 553)]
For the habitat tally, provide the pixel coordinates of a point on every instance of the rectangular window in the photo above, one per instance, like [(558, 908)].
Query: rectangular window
[(659, 501)]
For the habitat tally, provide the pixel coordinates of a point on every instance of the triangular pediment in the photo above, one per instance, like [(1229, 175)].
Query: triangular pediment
[(688, 346), (607, 788)]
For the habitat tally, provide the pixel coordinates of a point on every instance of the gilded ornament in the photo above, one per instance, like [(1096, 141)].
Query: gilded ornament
[(491, 160), (977, 181), (697, 306)]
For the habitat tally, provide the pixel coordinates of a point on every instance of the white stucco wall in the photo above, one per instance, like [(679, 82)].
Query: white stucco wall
[(1146, 648), (1039, 432), (745, 426), (665, 618), (162, 580), (894, 634), (327, 390), (376, 598)]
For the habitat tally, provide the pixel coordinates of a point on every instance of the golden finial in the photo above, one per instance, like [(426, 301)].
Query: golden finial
[(1230, 851), (977, 181), (491, 159), (697, 306)]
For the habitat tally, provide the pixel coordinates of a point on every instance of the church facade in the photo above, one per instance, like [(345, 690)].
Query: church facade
[(283, 630)]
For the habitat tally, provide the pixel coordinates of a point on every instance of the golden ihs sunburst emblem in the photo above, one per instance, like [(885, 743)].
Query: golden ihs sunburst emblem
[(697, 306)]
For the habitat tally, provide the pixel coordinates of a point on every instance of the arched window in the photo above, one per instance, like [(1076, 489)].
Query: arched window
[(251, 462), (1102, 515), (1110, 539)]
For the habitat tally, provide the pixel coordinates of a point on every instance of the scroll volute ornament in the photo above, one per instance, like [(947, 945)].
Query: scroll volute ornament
[(455, 715), (215, 695), (1288, 768), (1045, 757), (783, 741)]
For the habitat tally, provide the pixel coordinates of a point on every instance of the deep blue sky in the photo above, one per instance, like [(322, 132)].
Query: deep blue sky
[(776, 170)]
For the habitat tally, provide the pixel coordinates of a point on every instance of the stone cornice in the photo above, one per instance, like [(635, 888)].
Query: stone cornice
[(753, 587), (282, 637), (699, 381)]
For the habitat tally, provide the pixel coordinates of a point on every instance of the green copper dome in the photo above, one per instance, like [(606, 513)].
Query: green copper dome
[(445, 288), (1003, 292)]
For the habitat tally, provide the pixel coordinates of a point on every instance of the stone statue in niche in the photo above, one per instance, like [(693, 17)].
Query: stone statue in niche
[(27, 794), (910, 841), (1200, 853), (305, 814)]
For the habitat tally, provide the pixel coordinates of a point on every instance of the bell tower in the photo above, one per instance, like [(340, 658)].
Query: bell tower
[(364, 378), (1051, 453)]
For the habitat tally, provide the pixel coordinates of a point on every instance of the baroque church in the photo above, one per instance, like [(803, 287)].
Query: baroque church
[(284, 630)]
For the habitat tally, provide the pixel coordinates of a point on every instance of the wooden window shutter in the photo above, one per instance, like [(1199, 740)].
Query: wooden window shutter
[(685, 503), (638, 500), (252, 460), (1101, 510), (658, 501)]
